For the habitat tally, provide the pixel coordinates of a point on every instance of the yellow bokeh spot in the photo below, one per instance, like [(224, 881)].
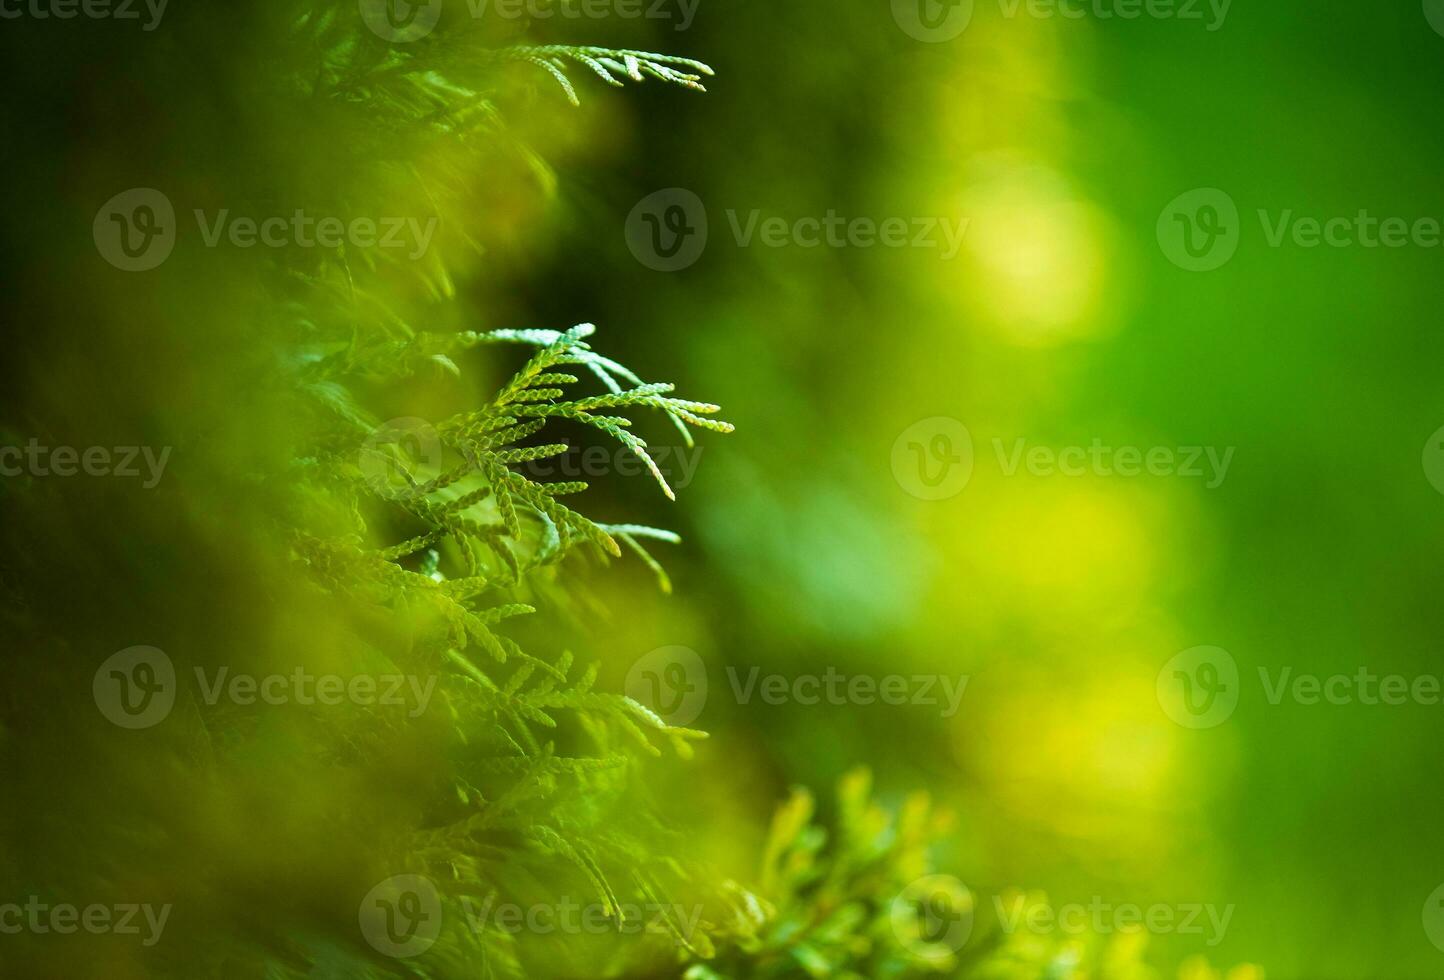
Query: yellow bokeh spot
[(1038, 255), (1068, 544)]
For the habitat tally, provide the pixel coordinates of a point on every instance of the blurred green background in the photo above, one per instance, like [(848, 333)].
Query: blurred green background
[(1062, 321)]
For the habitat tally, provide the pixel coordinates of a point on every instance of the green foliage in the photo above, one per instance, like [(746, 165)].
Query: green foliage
[(827, 902), (344, 547), (612, 65), (447, 535), (863, 899), (527, 782)]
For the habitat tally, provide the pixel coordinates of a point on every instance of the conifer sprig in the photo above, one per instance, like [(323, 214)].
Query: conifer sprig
[(457, 543), (612, 65)]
